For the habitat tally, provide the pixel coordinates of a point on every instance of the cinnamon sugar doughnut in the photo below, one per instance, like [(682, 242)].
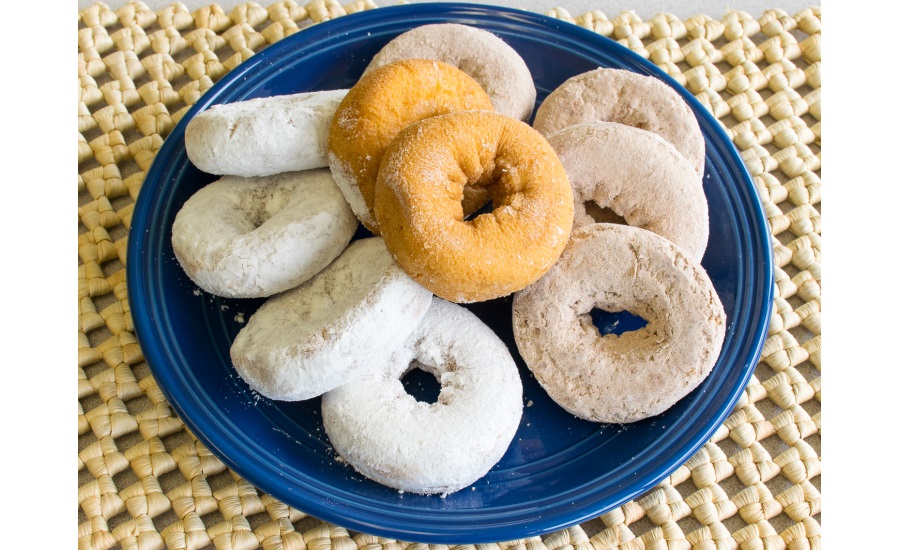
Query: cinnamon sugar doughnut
[(639, 176), (420, 187), (254, 237), (618, 95), (378, 107), (484, 56), (637, 374), (344, 321), (388, 436), (263, 136)]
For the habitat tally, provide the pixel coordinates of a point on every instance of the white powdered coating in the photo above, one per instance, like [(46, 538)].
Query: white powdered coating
[(637, 374), (638, 175), (490, 61), (344, 322), (348, 185), (254, 237), (618, 95), (263, 136), (389, 437)]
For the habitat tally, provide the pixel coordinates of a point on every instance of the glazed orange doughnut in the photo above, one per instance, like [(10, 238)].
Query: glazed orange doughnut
[(383, 102), (418, 198)]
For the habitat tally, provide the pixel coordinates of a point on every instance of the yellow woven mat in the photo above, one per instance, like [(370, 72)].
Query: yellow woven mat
[(146, 482)]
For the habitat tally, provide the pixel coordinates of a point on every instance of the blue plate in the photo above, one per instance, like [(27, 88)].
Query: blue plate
[(559, 471)]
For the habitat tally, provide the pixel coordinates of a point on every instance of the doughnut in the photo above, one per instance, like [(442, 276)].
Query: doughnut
[(254, 237), (639, 176), (618, 95), (484, 56), (263, 136), (420, 187), (391, 438), (382, 103), (344, 321), (635, 375)]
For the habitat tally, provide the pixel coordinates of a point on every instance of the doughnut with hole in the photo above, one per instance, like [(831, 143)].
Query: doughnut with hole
[(639, 176), (263, 136), (418, 205), (254, 237), (637, 374), (384, 102), (484, 56), (428, 448), (346, 320), (618, 95)]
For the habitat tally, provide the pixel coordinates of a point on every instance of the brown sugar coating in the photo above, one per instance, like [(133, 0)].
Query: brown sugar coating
[(618, 95), (418, 199), (378, 107), (637, 374)]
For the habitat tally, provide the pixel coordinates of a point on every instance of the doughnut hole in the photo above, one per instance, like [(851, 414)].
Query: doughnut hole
[(603, 215), (487, 208), (261, 204), (616, 322), (421, 383)]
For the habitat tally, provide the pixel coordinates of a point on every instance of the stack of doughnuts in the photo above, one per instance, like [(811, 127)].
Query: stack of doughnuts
[(465, 202)]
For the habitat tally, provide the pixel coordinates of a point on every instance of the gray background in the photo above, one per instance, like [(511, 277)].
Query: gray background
[(643, 8)]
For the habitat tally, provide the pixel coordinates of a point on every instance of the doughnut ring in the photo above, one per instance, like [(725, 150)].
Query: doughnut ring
[(388, 436), (420, 187), (635, 375), (618, 95), (382, 103), (484, 56), (345, 320), (263, 136), (639, 176), (254, 237)]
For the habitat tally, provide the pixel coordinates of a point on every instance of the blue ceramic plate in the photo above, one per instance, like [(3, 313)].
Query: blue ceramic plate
[(559, 471)]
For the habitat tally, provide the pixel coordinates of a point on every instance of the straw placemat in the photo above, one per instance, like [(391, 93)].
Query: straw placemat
[(146, 482)]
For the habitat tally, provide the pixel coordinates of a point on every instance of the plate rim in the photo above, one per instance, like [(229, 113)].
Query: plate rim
[(400, 529)]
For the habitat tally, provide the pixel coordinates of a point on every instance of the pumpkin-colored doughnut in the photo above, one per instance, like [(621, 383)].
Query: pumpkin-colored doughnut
[(381, 104), (418, 199)]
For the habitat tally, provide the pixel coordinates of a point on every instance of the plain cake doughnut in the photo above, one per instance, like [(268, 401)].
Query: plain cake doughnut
[(420, 188), (484, 56), (388, 436), (254, 237), (384, 102), (618, 95), (639, 176), (344, 321), (637, 374), (263, 136)]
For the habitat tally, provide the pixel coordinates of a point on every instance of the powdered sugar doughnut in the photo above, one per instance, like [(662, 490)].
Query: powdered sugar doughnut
[(618, 95), (484, 56), (263, 136), (638, 175), (389, 437), (344, 321), (637, 374), (254, 237)]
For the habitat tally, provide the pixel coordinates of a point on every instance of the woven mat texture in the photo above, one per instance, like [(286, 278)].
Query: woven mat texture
[(145, 482)]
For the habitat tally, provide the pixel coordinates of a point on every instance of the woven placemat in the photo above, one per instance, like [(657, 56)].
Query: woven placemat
[(146, 482)]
